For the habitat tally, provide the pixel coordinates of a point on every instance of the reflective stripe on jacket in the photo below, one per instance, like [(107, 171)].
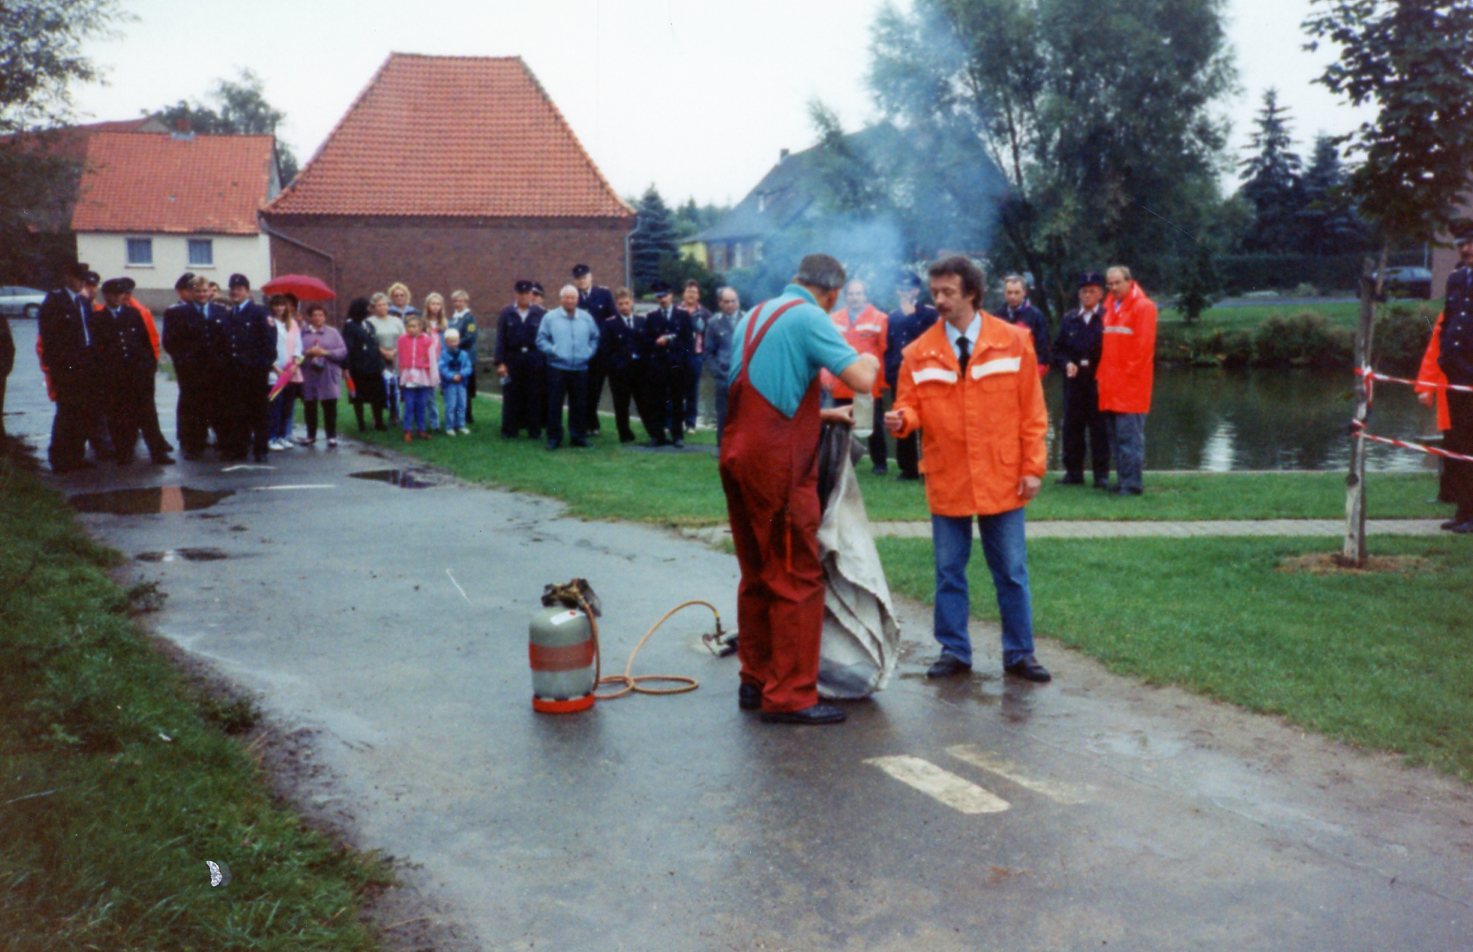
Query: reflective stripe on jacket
[(982, 431), (1128, 356)]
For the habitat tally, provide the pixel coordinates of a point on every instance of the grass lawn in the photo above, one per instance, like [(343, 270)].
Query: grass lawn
[(1249, 316), (1380, 659), (610, 482), (120, 779)]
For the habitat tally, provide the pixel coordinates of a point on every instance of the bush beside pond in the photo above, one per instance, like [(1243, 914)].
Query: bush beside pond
[(1302, 339)]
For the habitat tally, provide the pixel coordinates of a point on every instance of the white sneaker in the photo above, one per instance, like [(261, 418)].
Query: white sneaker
[(464, 432), (449, 432), (274, 445), (332, 443)]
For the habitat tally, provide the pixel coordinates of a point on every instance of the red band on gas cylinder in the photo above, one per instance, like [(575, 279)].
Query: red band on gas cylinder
[(561, 657), (571, 706)]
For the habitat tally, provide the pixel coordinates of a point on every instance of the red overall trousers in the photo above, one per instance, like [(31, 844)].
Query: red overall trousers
[(769, 469)]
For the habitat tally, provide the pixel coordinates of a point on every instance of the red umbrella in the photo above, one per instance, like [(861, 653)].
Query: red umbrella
[(304, 286)]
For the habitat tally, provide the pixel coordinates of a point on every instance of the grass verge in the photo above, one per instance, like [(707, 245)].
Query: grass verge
[(118, 780), (1376, 659), (683, 489)]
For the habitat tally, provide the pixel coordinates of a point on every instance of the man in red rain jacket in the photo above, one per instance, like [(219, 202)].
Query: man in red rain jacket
[(1127, 369)]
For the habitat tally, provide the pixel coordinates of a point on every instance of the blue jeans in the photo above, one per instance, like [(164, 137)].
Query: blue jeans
[(1127, 435), (454, 405), (1005, 548), (432, 410), (415, 401), (283, 413)]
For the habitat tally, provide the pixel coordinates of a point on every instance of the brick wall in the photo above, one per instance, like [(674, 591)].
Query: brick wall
[(482, 256)]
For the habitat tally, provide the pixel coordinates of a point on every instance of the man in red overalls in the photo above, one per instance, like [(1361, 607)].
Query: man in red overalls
[(769, 469)]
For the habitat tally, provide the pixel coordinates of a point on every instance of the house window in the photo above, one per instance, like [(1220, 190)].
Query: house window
[(201, 253), (140, 252)]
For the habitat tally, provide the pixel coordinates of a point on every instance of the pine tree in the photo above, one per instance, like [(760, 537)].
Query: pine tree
[(1328, 223), (653, 241), (1271, 180)]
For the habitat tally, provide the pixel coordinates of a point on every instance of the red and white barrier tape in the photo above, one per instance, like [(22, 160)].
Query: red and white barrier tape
[(1358, 429), (1430, 384)]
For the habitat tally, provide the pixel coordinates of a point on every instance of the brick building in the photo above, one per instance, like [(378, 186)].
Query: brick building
[(450, 172)]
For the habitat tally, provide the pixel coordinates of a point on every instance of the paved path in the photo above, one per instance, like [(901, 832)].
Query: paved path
[(384, 630)]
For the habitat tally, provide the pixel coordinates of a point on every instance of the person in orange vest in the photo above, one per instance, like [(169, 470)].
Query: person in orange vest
[(971, 385), (866, 328), (1435, 397), (1127, 369)]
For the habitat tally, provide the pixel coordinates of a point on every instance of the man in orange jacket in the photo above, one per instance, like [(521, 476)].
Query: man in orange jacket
[(1127, 369), (971, 385), (1434, 396), (866, 328)]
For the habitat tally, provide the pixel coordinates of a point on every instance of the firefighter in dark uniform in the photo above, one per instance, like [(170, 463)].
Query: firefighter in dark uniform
[(909, 320), (598, 301), (186, 339), (70, 356), (1018, 310), (1077, 354), (1456, 361), (669, 342), (7, 363), (248, 347), (619, 339), (519, 364), (128, 366)]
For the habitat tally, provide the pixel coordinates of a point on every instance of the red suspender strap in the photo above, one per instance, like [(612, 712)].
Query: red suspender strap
[(750, 346)]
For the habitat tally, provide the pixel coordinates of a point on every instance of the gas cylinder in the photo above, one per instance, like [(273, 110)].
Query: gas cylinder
[(560, 648)]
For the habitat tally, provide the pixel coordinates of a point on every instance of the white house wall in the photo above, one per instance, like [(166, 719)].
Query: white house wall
[(107, 254)]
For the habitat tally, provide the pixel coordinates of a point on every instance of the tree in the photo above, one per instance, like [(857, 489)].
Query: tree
[(1410, 61), (1271, 180), (1327, 222), (40, 58), (1099, 115), (240, 108), (653, 239)]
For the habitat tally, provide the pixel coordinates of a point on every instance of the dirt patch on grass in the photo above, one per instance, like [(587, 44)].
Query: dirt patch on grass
[(1329, 563)]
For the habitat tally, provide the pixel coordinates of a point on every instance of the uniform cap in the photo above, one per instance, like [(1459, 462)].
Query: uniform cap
[(118, 286), (90, 277), (1091, 277), (907, 279), (537, 288), (523, 287), (239, 280), (660, 288), (1464, 237), (579, 270), (185, 282)]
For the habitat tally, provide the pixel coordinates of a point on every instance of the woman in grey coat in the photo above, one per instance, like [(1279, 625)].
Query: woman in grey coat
[(323, 357)]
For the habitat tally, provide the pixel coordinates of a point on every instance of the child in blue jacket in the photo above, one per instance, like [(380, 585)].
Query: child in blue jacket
[(455, 371)]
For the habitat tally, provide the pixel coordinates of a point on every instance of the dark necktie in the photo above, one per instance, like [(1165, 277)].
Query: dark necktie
[(963, 350)]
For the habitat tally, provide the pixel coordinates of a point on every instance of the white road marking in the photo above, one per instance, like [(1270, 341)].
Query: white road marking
[(959, 794), (267, 489), (458, 588), (1058, 792), (231, 469)]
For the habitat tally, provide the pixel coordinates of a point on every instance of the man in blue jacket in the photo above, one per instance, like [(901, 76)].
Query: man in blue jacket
[(1456, 361), (248, 347), (568, 339)]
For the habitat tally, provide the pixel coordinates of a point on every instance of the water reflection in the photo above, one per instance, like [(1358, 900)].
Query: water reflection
[(1226, 420)]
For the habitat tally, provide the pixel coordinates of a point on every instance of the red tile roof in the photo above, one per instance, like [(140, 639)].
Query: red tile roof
[(145, 182), (452, 136)]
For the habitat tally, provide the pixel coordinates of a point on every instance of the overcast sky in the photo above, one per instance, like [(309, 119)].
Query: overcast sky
[(696, 96)]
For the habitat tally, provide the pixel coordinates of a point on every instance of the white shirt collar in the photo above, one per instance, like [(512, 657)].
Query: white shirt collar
[(973, 331)]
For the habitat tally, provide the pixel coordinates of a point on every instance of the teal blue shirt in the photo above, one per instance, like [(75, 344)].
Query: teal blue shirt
[(804, 342)]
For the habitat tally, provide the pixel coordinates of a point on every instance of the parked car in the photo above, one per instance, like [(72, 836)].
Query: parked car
[(16, 300), (1407, 282)]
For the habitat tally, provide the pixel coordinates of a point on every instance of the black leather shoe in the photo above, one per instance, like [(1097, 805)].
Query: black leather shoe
[(1464, 528), (817, 714), (1453, 522), (1126, 492), (880, 470), (1069, 481), (946, 666), (582, 444), (1029, 668), (749, 697), (163, 459), (1102, 484), (553, 444), (908, 477), (678, 444)]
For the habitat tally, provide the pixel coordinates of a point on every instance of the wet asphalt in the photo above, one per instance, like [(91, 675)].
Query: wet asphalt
[(386, 629)]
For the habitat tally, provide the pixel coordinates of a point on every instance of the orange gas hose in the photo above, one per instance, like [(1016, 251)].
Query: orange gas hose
[(629, 681)]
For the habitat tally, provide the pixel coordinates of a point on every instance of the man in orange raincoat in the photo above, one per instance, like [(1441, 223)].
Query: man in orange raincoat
[(1435, 397), (1127, 370), (971, 385), (866, 328)]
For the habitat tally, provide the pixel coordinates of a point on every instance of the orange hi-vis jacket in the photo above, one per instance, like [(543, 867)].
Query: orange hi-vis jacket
[(982, 427), (869, 334), (1431, 372), (1128, 358)]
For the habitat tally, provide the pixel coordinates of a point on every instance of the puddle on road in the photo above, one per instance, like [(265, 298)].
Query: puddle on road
[(142, 502), (182, 555), (403, 478)]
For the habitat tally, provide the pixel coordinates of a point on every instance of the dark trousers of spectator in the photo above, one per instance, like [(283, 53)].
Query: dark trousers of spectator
[(1460, 440), (720, 409), (622, 385), (523, 399), (878, 449), (3, 377), (1082, 418), (470, 393), (677, 385), (131, 412), (329, 418), (570, 387), (908, 455), (598, 372), (693, 389), (649, 397), (246, 413), (77, 420), (1127, 435)]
